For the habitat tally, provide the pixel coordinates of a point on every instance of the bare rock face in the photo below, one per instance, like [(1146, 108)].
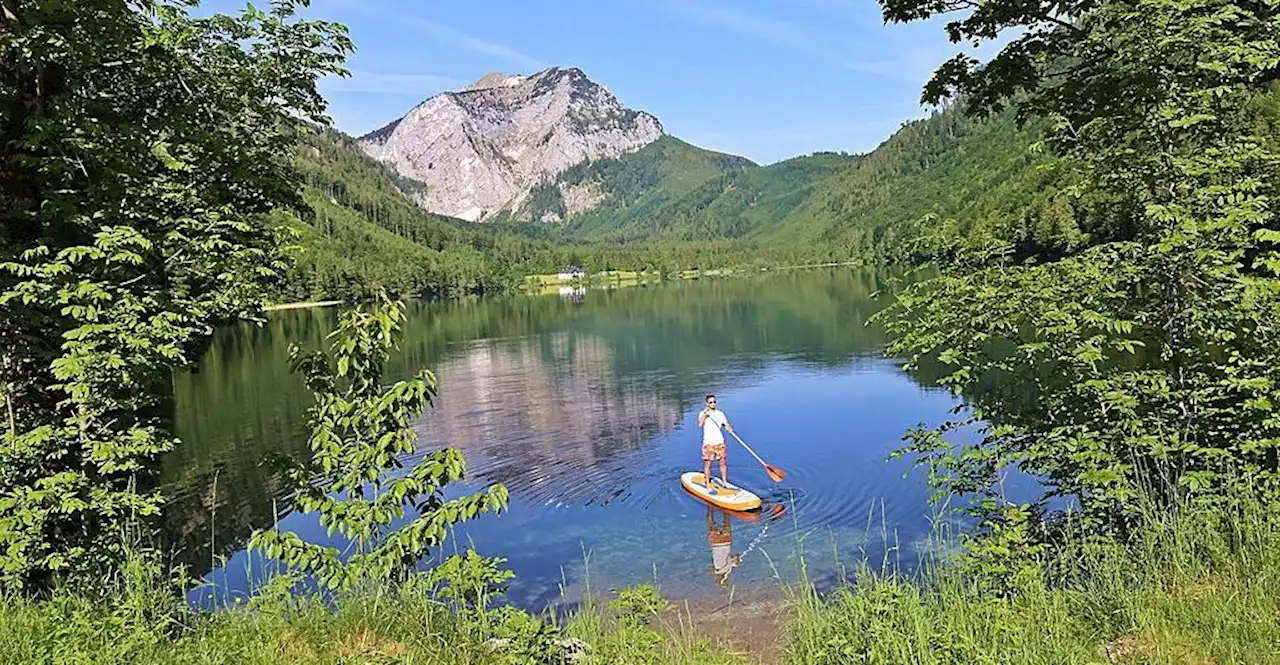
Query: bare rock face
[(480, 151)]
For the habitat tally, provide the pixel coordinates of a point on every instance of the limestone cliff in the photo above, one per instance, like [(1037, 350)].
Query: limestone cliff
[(480, 151)]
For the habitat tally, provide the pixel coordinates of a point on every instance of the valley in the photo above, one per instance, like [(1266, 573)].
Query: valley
[(652, 203)]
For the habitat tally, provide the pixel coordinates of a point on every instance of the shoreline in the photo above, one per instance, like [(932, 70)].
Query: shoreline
[(535, 285), (543, 285), (301, 305)]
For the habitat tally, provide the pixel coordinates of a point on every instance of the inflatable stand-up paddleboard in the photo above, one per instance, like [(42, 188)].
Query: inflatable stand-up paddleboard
[(730, 497)]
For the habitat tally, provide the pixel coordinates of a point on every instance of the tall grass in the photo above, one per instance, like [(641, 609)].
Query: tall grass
[(141, 618), (1192, 586)]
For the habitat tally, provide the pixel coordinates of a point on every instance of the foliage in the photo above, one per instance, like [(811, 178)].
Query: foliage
[(361, 234), (334, 166), (520, 638), (636, 184), (1195, 586), (142, 157), (1144, 358), (467, 582), (938, 184), (360, 432), (638, 603)]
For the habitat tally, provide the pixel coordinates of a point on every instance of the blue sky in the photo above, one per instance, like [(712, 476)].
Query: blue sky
[(764, 79)]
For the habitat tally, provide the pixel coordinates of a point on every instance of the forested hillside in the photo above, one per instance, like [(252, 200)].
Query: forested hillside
[(948, 165), (607, 194), (728, 203), (362, 233)]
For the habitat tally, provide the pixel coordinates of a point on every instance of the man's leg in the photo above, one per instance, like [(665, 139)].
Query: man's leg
[(706, 471), (724, 467)]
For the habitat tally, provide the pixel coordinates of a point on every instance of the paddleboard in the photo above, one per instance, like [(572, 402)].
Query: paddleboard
[(730, 497), (743, 515)]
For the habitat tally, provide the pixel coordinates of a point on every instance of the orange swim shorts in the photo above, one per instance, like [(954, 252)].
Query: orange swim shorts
[(712, 451)]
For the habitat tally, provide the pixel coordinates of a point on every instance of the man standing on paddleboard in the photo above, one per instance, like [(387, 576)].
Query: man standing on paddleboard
[(711, 420)]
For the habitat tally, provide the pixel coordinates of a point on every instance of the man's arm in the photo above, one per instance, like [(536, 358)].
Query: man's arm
[(726, 422), (702, 417)]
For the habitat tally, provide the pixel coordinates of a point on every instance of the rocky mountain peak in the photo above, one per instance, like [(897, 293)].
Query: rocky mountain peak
[(480, 151), (496, 80)]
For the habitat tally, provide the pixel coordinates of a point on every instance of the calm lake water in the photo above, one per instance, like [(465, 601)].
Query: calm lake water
[(585, 409)]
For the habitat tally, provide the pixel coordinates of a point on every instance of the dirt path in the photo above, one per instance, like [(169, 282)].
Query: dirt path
[(750, 623)]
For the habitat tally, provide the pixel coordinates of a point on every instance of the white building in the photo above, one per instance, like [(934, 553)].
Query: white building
[(571, 273)]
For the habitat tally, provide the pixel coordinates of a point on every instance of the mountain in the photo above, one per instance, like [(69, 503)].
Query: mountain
[(608, 191), (671, 191), (480, 151), (560, 151), (981, 172)]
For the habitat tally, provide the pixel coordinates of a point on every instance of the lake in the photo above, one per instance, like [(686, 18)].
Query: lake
[(585, 408)]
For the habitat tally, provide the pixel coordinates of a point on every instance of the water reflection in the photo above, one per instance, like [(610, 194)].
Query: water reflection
[(720, 537), (585, 410), (545, 415)]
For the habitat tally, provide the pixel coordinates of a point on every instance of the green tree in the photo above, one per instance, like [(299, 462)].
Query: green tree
[(360, 432), (144, 154), (1146, 357)]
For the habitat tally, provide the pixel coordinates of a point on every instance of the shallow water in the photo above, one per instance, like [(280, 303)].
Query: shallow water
[(585, 407)]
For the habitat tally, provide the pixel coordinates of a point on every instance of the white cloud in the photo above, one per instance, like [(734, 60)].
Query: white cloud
[(906, 53), (443, 32), (741, 22), (911, 64), (917, 63), (448, 34)]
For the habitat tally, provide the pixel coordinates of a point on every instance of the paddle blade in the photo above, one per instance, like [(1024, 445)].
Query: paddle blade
[(775, 474)]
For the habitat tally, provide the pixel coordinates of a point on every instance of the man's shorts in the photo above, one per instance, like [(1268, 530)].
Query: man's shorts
[(712, 451)]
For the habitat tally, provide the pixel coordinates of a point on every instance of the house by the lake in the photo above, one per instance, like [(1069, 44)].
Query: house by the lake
[(571, 273)]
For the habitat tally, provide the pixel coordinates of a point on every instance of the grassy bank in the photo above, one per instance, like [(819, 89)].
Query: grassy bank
[(147, 625), (301, 305), (1198, 588), (1195, 588), (611, 279)]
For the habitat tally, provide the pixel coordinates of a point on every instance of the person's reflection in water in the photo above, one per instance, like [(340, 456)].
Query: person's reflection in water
[(723, 561)]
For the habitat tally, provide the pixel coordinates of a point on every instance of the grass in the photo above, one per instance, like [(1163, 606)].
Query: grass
[(550, 284), (1192, 588), (302, 305), (144, 622), (1197, 588), (610, 279)]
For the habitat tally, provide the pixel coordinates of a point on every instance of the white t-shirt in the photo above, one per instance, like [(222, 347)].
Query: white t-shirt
[(711, 427)]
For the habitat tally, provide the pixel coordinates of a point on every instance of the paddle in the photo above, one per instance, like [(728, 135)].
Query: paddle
[(775, 474)]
